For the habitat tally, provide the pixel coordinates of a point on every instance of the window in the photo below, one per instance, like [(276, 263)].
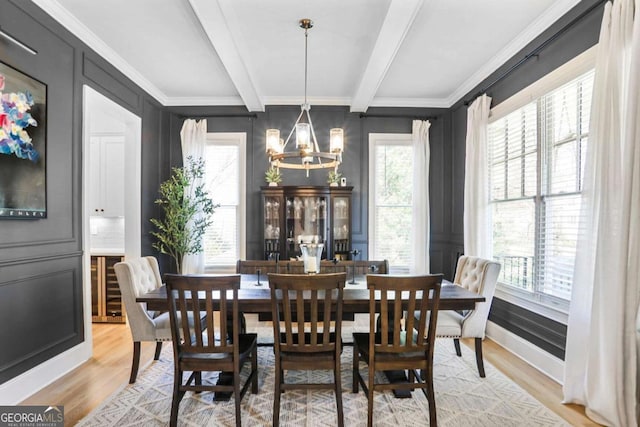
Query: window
[(536, 165), (390, 205), (224, 240)]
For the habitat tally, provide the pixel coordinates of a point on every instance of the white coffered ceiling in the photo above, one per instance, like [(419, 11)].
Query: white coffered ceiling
[(362, 53)]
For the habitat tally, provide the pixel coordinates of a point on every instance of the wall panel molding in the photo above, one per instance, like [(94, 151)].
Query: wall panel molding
[(541, 331), (42, 258), (43, 301)]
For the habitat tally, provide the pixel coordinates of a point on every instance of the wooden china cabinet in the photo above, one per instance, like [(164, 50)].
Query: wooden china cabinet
[(295, 213)]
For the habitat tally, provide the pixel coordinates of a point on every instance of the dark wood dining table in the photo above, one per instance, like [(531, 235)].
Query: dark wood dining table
[(255, 297)]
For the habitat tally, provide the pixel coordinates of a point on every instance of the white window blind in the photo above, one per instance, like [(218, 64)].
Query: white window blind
[(224, 159), (391, 176), (536, 163)]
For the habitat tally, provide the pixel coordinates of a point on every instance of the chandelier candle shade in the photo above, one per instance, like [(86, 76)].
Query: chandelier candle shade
[(307, 154)]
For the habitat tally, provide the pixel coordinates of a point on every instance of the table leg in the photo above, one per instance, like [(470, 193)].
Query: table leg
[(226, 378)]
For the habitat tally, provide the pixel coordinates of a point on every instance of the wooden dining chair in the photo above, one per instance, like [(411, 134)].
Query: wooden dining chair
[(208, 347), (315, 301), (390, 348)]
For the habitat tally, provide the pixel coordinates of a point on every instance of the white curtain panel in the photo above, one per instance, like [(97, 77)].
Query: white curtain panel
[(477, 213), (420, 195), (601, 369), (194, 139)]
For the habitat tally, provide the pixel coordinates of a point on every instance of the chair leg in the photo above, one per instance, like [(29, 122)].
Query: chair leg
[(356, 364), (158, 350), (479, 359), (338, 386), (135, 363), (236, 393), (198, 381), (431, 398), (177, 397), (370, 386), (276, 395), (456, 344), (254, 369)]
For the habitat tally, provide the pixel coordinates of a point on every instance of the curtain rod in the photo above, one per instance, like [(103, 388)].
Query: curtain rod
[(397, 116), (534, 52), (215, 116)]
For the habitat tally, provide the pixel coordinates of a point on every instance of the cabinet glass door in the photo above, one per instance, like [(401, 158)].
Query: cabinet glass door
[(272, 227), (306, 222), (113, 299), (95, 288), (341, 224)]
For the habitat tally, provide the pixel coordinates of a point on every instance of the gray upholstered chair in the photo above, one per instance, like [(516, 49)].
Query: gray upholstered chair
[(136, 277), (480, 276)]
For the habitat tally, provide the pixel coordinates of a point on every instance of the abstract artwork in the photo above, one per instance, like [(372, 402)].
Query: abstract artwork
[(23, 108)]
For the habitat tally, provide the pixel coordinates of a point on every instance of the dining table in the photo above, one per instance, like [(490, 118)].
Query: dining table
[(254, 296)]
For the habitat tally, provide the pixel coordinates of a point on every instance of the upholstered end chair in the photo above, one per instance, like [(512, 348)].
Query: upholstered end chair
[(480, 276), (136, 277)]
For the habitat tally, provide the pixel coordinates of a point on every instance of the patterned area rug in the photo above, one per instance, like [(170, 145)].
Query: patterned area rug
[(462, 399)]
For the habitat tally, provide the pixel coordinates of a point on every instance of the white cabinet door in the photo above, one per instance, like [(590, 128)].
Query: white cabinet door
[(113, 166), (106, 176), (95, 176)]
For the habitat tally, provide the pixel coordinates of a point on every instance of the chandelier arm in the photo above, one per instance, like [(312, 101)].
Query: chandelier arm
[(313, 134)]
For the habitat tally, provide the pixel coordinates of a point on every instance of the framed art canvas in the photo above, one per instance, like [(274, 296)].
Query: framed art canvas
[(23, 119)]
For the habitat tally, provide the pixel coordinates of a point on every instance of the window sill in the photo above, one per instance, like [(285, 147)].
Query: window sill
[(547, 307)]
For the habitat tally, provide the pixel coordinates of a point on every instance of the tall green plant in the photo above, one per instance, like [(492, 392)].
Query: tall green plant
[(180, 231)]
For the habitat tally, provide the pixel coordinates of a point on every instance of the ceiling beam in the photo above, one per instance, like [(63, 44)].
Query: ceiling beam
[(396, 25), (217, 18)]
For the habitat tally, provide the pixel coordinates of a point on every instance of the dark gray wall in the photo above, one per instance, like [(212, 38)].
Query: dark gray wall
[(354, 166), (41, 312), (544, 333)]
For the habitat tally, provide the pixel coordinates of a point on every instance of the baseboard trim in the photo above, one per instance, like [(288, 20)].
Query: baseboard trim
[(19, 388), (546, 363)]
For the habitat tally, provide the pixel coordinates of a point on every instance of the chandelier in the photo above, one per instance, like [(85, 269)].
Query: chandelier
[(307, 154)]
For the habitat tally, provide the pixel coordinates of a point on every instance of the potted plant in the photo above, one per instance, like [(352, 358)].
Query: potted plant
[(187, 212), (272, 176), (333, 178)]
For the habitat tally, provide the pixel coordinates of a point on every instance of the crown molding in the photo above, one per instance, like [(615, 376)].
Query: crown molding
[(410, 102), (189, 101), (544, 21), (78, 29), (297, 100)]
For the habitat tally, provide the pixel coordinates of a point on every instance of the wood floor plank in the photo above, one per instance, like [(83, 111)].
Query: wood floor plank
[(87, 386)]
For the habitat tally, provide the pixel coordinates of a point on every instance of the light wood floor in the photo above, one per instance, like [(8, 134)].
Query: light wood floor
[(108, 370)]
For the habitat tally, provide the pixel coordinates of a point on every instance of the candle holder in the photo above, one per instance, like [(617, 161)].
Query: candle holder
[(258, 272), (355, 253), (311, 254)]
